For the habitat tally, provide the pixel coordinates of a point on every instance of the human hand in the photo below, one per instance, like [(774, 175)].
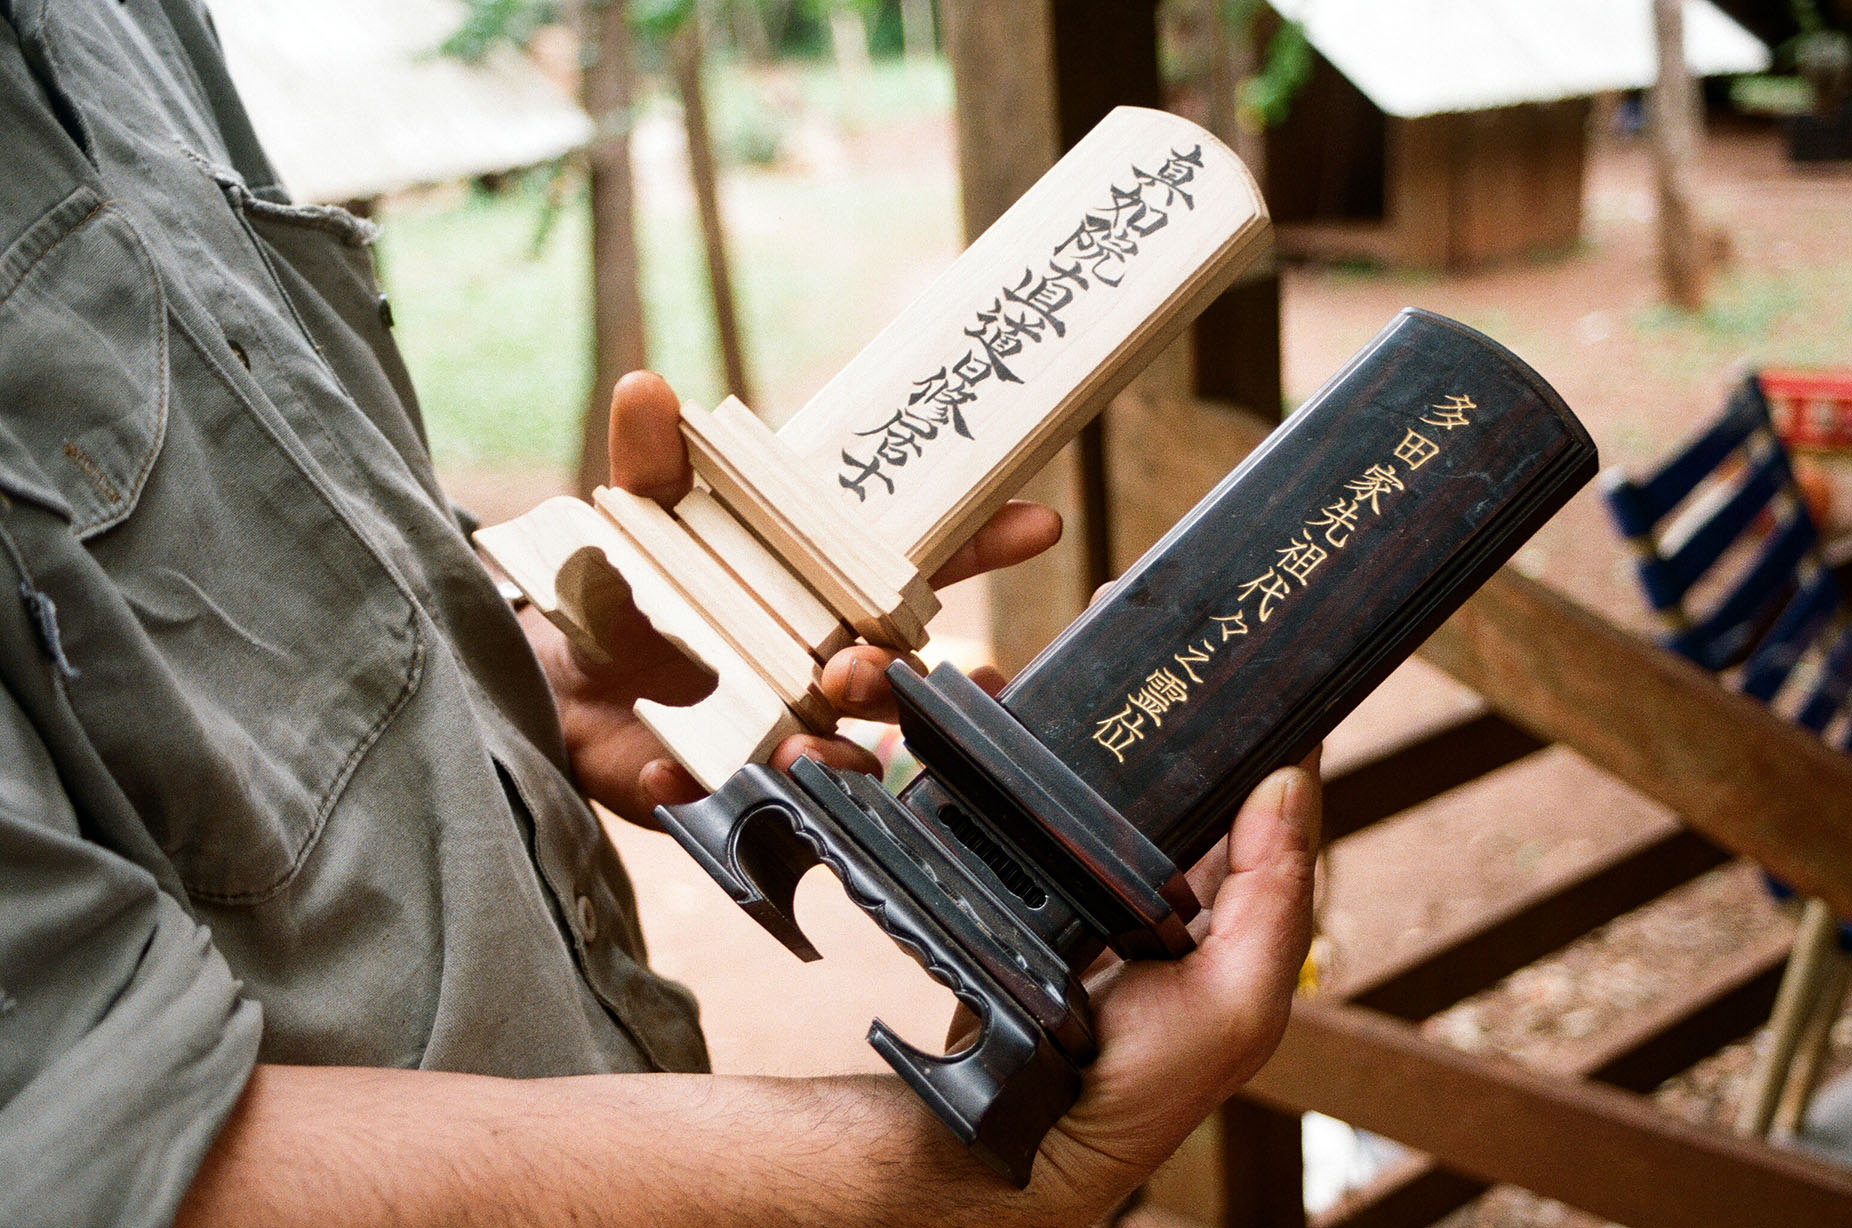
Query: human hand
[(1177, 1038), (617, 760)]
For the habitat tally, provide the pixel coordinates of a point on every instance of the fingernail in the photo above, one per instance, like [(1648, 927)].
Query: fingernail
[(1277, 789), (860, 687), (1292, 795)]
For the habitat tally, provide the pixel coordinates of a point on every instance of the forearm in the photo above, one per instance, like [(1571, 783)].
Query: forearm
[(329, 1147)]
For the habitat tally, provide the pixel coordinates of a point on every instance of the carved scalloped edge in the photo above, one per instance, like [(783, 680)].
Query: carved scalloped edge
[(875, 907)]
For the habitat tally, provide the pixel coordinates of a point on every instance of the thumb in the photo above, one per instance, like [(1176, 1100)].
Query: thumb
[(1260, 925), (648, 455)]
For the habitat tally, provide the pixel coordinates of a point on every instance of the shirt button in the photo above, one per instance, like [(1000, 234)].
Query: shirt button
[(588, 920)]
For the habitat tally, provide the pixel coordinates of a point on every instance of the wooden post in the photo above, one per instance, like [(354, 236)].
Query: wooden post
[(1002, 54), (1262, 1163), (687, 52), (1032, 77), (618, 344), (1674, 131), (1813, 967)]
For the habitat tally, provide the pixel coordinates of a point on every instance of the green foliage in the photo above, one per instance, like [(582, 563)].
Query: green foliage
[(1267, 96), (489, 23), (1797, 317), (498, 342), (1761, 94), (1806, 15), (750, 124), (660, 19)]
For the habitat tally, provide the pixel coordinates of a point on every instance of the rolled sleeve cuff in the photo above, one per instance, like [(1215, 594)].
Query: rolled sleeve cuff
[(124, 1042)]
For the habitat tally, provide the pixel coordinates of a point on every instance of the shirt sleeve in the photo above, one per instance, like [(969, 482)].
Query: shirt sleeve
[(124, 1042)]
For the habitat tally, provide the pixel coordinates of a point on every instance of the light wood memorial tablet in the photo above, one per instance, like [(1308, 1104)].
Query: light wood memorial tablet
[(795, 543)]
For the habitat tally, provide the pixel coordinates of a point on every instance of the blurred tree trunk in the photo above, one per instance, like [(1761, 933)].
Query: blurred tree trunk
[(687, 53), (916, 28), (849, 43), (1235, 59), (618, 344), (747, 25), (1674, 131)]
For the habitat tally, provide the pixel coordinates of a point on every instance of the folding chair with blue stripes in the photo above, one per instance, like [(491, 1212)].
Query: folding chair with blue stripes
[(1730, 560)]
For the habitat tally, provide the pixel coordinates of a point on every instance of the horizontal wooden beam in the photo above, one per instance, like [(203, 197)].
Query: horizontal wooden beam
[(1536, 923), (1606, 1151), (1728, 1003), (1731, 1000), (1424, 767), (1725, 764)]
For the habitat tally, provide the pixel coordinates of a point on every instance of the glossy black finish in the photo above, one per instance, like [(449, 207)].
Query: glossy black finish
[(1266, 696), (761, 831), (1054, 823)]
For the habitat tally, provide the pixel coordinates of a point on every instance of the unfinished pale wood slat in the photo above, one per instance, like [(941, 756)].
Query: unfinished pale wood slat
[(1131, 234), (575, 565), (954, 483), (869, 585), (797, 609), (705, 584)]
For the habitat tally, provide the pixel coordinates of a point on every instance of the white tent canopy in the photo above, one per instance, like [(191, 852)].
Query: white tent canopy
[(352, 99), (1424, 57)]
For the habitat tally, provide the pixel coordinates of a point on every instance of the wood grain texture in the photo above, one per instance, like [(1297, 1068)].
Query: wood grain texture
[(1529, 926), (1606, 1151), (576, 566), (868, 584), (1094, 302), (1265, 615), (705, 584), (1006, 78), (1725, 764), (789, 599), (1099, 265), (1730, 1000)]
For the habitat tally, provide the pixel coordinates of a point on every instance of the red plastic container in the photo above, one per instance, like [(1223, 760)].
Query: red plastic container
[(1811, 410)]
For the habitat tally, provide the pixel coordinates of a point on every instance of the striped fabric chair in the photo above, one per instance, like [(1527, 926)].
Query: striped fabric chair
[(1730, 561)]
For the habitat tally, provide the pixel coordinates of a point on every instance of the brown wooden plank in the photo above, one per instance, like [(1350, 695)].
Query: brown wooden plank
[(1166, 454), (1606, 1151), (1420, 768), (1725, 764), (1417, 196), (1415, 1192), (1031, 77), (1732, 1001), (1237, 351), (1261, 1167), (1536, 923), (1002, 57)]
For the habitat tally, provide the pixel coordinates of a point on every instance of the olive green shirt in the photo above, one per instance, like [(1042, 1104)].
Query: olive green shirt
[(280, 778)]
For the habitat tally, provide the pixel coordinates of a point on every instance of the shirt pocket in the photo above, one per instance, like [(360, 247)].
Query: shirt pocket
[(230, 643)]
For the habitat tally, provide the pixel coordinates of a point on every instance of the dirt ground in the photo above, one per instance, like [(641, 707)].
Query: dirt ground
[(1588, 322)]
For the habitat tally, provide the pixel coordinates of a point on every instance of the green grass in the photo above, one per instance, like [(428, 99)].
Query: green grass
[(1800, 317), (495, 335), (496, 330)]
